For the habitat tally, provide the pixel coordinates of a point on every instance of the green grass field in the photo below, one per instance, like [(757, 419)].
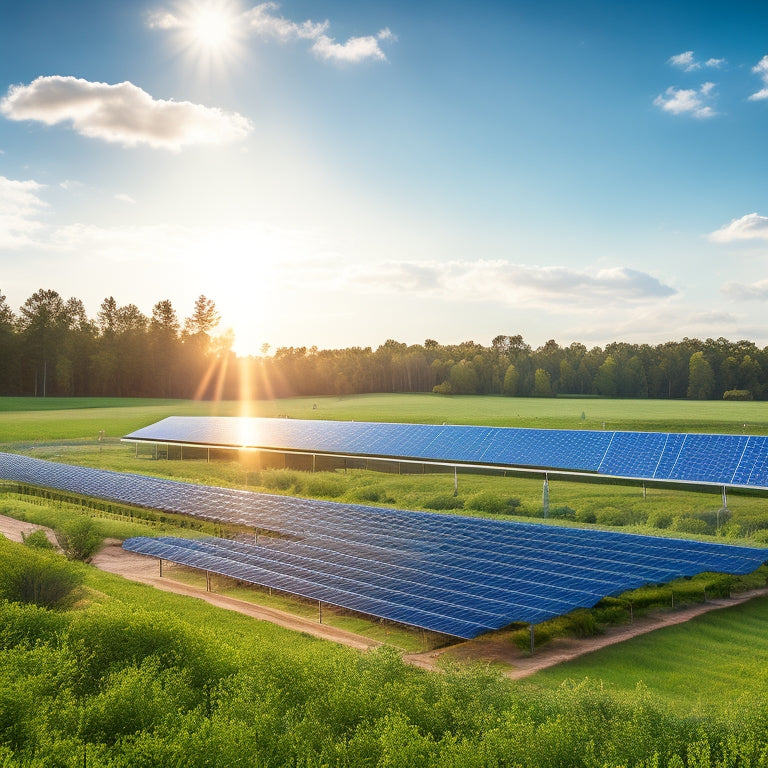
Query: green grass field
[(709, 662), (43, 419)]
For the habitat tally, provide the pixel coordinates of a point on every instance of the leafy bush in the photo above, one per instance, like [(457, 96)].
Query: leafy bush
[(492, 503), (279, 479), (374, 493), (444, 501), (613, 516), (323, 487), (38, 539), (33, 576), (562, 513), (690, 525), (79, 538), (659, 519), (586, 516), (738, 394)]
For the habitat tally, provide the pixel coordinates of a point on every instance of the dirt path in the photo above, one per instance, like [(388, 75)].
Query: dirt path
[(557, 651), (142, 568)]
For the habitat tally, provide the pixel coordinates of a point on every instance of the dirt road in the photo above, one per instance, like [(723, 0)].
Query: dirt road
[(114, 559)]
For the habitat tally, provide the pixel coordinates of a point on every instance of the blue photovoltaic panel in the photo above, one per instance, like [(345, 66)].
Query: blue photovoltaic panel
[(456, 575), (696, 458), (753, 467), (633, 454)]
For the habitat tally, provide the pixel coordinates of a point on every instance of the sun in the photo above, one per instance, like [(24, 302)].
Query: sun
[(213, 26), (210, 34)]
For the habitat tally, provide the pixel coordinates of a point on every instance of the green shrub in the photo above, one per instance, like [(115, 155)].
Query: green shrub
[(492, 503), (659, 519), (613, 516), (79, 538), (690, 525), (562, 513), (444, 501), (279, 479), (34, 576), (738, 394), (586, 516), (374, 493), (38, 539), (323, 487)]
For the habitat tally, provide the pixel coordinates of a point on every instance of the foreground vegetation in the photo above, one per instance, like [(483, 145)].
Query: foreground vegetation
[(128, 676)]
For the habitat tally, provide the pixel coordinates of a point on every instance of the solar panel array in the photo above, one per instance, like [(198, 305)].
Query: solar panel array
[(456, 575), (734, 460)]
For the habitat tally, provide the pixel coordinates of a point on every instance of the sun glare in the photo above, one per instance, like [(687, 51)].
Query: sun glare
[(210, 34), (213, 27)]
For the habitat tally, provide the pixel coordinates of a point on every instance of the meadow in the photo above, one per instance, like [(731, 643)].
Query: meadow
[(230, 691), (24, 419)]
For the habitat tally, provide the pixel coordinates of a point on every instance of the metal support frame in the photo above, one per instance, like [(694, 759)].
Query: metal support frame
[(533, 639), (455, 481), (545, 496)]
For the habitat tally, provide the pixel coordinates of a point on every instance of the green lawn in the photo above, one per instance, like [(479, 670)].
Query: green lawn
[(31, 420), (710, 662)]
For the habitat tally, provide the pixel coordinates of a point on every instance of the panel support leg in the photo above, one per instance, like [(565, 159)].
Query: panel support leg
[(532, 639), (455, 481), (545, 496), (320, 611)]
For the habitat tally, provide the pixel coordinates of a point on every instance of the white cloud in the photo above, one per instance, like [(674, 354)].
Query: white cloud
[(162, 20), (685, 101), (69, 184), (749, 227), (20, 206), (757, 291), (507, 283), (123, 198), (685, 61), (688, 63), (123, 113), (263, 21), (761, 68), (354, 50)]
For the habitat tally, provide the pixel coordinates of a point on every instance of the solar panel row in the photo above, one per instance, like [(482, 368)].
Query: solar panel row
[(461, 576), (735, 460)]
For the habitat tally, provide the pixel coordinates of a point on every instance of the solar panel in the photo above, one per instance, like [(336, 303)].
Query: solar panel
[(457, 575), (735, 460)]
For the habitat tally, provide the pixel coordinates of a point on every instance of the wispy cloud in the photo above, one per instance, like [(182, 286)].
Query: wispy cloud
[(686, 101), (688, 62), (508, 283), (761, 69), (264, 22), (20, 207), (749, 227), (746, 291), (122, 113), (123, 198)]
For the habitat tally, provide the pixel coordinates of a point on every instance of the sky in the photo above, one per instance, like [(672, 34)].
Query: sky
[(341, 173)]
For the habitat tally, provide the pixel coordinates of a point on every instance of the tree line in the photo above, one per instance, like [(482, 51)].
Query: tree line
[(51, 347)]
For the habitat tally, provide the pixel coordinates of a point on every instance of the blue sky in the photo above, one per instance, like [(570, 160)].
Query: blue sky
[(337, 173)]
